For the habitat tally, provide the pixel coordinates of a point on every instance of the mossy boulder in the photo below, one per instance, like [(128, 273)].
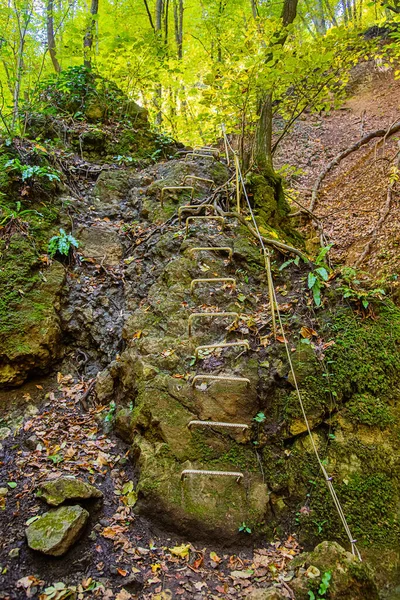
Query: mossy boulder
[(350, 578), (57, 530), (57, 491), (29, 326)]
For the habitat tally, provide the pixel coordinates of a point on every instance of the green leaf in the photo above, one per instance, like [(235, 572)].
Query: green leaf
[(311, 280), (12, 485), (323, 273)]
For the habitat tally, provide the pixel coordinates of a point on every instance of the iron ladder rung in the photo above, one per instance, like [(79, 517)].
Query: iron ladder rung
[(213, 249), (244, 343), (220, 378), (192, 207), (199, 423), (235, 474), (176, 187)]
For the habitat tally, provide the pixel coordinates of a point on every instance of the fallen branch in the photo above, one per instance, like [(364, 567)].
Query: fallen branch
[(383, 133), (383, 216), (268, 241), (86, 395)]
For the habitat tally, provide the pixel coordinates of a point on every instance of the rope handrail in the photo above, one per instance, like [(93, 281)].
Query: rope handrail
[(274, 305)]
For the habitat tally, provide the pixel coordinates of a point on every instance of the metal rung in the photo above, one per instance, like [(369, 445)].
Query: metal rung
[(204, 149), (192, 207), (193, 154), (210, 314), (218, 424), (214, 249), (244, 343), (214, 218), (212, 280), (210, 181), (219, 378), (176, 187), (235, 474)]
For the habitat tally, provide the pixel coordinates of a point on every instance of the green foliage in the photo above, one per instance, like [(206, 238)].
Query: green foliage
[(259, 418), (111, 412), (66, 91), (31, 172), (319, 276), (8, 215), (61, 244), (323, 587), (244, 528), (353, 291)]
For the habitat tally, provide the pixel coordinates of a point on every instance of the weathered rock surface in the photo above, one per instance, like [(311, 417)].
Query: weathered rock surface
[(57, 530), (350, 578), (100, 242), (30, 335), (59, 490), (265, 594)]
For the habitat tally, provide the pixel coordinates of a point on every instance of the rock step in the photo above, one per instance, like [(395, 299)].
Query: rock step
[(233, 379)]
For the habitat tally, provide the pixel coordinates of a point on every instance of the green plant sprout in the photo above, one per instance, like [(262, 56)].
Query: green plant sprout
[(61, 244)]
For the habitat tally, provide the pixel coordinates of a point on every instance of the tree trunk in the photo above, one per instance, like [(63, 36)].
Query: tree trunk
[(51, 44), (89, 35), (22, 29), (178, 21), (263, 138)]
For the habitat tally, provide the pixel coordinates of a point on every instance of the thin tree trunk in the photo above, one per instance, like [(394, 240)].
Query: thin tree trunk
[(50, 37), (158, 32), (178, 20), (22, 29), (88, 39), (263, 138)]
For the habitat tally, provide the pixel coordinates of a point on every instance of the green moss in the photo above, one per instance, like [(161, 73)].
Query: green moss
[(364, 408)]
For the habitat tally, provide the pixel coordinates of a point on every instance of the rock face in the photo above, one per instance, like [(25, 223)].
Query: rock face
[(350, 578), (67, 488), (29, 326), (57, 530)]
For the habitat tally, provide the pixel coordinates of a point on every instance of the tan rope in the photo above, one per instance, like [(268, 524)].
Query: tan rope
[(328, 479)]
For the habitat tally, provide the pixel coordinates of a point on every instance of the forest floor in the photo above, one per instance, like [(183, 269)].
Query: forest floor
[(353, 195), (47, 433)]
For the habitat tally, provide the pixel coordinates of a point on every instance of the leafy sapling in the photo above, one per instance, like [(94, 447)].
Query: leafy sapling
[(323, 587), (244, 528), (61, 244), (319, 276)]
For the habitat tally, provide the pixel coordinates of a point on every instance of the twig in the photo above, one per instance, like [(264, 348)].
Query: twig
[(86, 395)]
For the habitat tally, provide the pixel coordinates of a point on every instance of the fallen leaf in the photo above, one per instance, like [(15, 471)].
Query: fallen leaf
[(307, 332), (181, 551)]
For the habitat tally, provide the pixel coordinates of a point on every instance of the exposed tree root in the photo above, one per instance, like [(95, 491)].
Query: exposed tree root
[(383, 216), (378, 133)]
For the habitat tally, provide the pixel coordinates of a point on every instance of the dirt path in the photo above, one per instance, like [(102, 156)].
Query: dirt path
[(47, 433)]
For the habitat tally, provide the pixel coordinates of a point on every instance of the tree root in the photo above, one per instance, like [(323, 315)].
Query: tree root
[(378, 133)]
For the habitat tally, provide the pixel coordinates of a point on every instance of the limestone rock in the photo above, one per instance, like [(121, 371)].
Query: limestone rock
[(30, 338), (351, 579), (57, 530), (102, 243), (67, 488)]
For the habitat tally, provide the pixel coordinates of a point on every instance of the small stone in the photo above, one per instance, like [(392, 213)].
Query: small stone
[(134, 583), (14, 553), (55, 492), (57, 530), (3, 492), (5, 432), (31, 442)]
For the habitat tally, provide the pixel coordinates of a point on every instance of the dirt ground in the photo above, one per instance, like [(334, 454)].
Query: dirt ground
[(354, 193)]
